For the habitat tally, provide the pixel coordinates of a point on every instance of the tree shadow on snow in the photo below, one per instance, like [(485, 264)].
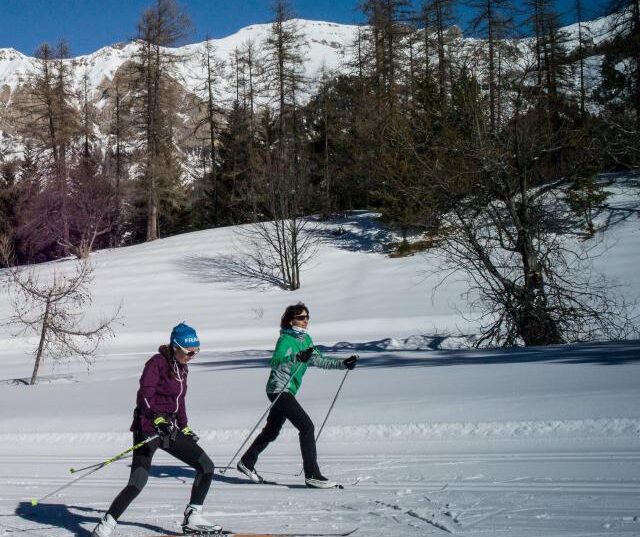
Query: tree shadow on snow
[(71, 518), (617, 353), (234, 270), (603, 353), (357, 232)]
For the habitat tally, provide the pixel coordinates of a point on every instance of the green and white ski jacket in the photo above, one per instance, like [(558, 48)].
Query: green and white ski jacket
[(283, 361)]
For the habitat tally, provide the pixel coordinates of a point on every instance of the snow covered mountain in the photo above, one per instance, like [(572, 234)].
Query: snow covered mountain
[(328, 46)]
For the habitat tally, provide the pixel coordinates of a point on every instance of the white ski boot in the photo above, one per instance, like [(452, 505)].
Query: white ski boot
[(195, 524), (105, 527), (320, 482), (249, 472)]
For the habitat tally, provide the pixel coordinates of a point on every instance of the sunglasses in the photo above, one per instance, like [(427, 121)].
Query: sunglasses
[(185, 351), (301, 317)]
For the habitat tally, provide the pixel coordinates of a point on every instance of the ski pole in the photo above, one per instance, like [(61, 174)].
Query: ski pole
[(225, 468), (332, 403), (329, 411), (94, 468), (116, 457)]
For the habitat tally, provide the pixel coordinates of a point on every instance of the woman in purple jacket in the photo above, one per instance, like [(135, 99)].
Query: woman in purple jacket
[(160, 412)]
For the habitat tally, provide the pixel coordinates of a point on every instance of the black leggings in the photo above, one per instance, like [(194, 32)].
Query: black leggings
[(286, 408), (182, 448)]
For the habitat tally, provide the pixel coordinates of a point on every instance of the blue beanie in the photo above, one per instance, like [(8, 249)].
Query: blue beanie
[(185, 336)]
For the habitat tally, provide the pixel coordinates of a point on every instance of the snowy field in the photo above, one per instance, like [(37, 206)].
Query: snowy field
[(525, 442), (517, 443)]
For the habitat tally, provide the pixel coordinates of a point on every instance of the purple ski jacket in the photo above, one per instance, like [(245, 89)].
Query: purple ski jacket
[(163, 386)]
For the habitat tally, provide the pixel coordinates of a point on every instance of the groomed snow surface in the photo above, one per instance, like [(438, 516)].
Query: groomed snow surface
[(428, 438)]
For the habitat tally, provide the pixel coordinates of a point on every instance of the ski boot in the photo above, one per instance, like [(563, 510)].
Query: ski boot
[(320, 482), (249, 472), (195, 524), (105, 527)]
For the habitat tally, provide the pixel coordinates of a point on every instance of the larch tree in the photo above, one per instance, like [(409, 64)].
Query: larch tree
[(53, 307), (155, 106), (286, 188), (48, 119)]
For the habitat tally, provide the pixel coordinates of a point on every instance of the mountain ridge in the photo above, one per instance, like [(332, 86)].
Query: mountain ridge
[(319, 46), (328, 47)]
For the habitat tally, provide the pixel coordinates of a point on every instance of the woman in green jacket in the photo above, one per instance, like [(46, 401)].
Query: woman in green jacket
[(293, 353)]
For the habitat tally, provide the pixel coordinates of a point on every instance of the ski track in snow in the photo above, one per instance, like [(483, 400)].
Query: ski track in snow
[(531, 428), (471, 494), (535, 442)]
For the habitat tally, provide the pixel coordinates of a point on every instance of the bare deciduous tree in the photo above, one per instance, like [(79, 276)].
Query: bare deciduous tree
[(281, 243), (93, 206), (49, 120), (546, 293), (511, 232), (278, 249), (51, 307)]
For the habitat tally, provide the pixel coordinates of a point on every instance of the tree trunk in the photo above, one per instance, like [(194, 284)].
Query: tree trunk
[(535, 324), (152, 212), (43, 333)]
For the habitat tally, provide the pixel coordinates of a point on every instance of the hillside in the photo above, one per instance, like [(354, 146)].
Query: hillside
[(518, 443)]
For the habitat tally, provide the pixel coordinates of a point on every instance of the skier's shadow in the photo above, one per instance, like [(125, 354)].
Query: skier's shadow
[(181, 473), (71, 518), (246, 481), (187, 474)]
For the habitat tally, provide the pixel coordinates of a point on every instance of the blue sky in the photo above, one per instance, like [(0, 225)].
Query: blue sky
[(90, 24)]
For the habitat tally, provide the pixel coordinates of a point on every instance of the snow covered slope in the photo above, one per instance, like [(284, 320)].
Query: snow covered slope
[(525, 442)]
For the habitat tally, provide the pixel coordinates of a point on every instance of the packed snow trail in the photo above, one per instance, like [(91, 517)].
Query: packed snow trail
[(517, 443), (510, 493)]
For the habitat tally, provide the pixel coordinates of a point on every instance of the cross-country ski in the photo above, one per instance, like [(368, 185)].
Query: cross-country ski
[(270, 534)]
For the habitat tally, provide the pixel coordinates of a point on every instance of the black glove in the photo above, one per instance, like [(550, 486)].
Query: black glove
[(190, 434), (350, 363), (164, 427), (303, 356)]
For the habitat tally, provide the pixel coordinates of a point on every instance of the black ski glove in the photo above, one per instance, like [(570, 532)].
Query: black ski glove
[(350, 363), (164, 427), (305, 355), (188, 432)]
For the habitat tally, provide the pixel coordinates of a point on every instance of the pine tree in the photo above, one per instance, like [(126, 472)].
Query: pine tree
[(389, 29), (549, 44), (626, 45), (155, 106), (207, 206), (493, 21), (439, 14)]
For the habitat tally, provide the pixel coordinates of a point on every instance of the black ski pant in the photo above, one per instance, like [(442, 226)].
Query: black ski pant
[(181, 447), (286, 408)]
